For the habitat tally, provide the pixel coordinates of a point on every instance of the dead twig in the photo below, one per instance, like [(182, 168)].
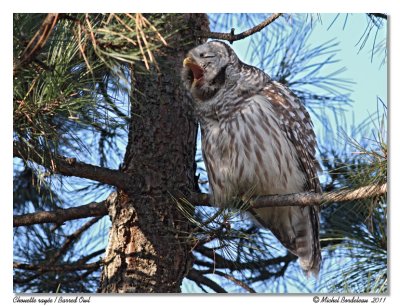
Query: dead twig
[(231, 37)]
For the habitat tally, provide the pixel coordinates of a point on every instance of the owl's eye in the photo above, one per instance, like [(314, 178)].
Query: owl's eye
[(206, 55)]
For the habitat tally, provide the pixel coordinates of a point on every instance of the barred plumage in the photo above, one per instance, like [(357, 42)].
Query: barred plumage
[(258, 137)]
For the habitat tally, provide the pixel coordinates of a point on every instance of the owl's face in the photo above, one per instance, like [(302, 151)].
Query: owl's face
[(204, 69)]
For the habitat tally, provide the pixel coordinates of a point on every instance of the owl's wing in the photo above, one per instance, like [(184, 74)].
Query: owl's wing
[(296, 122), (296, 227)]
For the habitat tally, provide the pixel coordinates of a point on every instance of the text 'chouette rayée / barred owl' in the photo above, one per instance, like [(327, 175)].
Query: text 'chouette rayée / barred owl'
[(256, 135)]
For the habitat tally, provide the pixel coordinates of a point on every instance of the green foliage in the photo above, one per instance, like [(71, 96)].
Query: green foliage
[(73, 83)]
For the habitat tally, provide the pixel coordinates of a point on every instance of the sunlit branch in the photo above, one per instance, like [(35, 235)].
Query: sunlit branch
[(310, 198), (303, 198)]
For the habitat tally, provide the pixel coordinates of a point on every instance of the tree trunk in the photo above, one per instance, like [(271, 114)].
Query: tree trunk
[(147, 249)]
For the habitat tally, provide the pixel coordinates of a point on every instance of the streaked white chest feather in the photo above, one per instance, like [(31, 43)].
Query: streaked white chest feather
[(249, 153)]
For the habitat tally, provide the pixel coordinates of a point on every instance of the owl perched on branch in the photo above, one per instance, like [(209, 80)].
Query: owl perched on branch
[(256, 136)]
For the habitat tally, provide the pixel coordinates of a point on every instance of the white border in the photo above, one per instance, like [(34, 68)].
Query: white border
[(320, 6)]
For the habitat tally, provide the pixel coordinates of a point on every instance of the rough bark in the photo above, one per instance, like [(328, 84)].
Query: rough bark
[(148, 250)]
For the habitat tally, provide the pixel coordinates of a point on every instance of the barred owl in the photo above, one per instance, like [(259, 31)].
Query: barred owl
[(256, 136)]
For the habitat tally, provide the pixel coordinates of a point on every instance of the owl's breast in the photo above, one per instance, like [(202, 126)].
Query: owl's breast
[(248, 154)]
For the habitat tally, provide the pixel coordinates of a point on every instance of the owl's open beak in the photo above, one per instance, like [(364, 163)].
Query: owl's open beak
[(197, 71)]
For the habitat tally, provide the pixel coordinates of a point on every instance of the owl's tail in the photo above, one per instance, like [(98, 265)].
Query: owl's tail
[(297, 228)]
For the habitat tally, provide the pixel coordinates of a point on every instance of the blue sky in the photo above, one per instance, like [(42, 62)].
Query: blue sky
[(369, 75)]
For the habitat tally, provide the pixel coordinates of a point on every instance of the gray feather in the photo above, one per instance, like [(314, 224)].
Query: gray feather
[(256, 135)]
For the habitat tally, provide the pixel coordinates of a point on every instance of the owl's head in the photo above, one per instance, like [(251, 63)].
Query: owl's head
[(205, 68)]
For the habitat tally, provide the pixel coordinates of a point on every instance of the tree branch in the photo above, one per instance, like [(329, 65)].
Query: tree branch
[(298, 199), (79, 263), (302, 198), (57, 268), (199, 279), (220, 262), (265, 274), (231, 37), (59, 216), (90, 256), (234, 280), (311, 198), (70, 167), (71, 239)]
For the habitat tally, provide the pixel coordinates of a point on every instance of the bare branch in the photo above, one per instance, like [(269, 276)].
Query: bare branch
[(303, 198), (59, 216), (71, 167), (311, 198), (231, 37), (57, 268)]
